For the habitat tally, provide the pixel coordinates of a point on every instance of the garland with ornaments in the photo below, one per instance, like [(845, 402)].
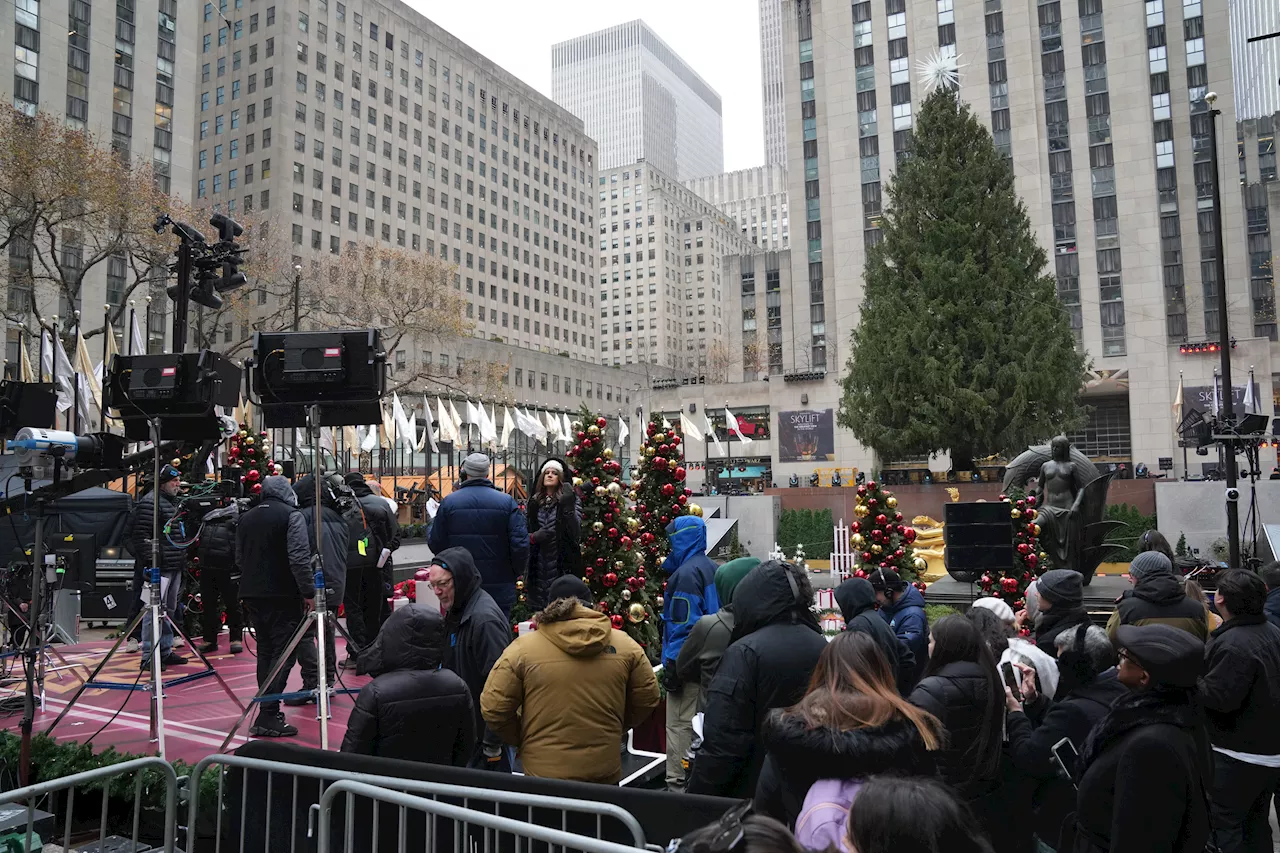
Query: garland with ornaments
[(251, 453), (1011, 584), (881, 539)]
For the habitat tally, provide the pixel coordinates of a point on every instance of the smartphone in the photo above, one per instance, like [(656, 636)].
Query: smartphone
[(1064, 752), (1011, 680)]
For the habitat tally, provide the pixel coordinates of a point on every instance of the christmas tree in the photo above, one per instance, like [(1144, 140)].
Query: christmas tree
[(251, 453), (990, 363), (882, 540), (659, 490), (1011, 584), (613, 565)]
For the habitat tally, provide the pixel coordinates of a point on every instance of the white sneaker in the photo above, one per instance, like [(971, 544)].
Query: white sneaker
[(132, 646), (178, 642)]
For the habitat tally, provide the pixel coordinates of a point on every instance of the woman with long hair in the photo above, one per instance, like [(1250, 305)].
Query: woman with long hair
[(962, 688), (553, 515), (850, 724), (912, 816)]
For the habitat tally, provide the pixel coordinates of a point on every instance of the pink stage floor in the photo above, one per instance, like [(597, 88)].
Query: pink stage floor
[(198, 714)]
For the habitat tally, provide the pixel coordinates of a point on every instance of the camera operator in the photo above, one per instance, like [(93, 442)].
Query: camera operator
[(162, 498), (276, 584), (373, 529), (220, 577), (334, 497)]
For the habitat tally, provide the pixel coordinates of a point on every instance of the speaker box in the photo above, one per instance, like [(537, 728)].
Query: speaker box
[(979, 537)]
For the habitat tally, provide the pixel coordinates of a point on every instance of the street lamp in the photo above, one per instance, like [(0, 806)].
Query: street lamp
[(297, 325)]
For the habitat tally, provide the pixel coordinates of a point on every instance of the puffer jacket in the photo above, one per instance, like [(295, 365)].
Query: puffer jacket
[(565, 555), (1050, 623), (216, 546), (775, 645), (489, 525), (377, 521), (1272, 607), (857, 600), (906, 618), (172, 558), (408, 688), (1240, 690), (700, 654), (272, 549), (689, 592), (568, 692), (334, 537), (957, 694), (798, 756), (1160, 599)]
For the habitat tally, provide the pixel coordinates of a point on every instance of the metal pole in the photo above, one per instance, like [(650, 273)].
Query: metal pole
[(157, 669), (321, 599), (75, 385), (297, 325), (146, 347), (1224, 339), (102, 395), (133, 316), (182, 302)]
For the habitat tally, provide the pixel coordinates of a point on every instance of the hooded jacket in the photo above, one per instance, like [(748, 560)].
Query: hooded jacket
[(477, 631), (372, 519), (408, 689), (775, 645), (488, 524), (798, 756), (216, 545), (1240, 690), (172, 558), (272, 549), (566, 554), (700, 655), (1159, 599), (857, 600), (334, 537), (1272, 607), (567, 693), (906, 617), (1050, 623), (690, 589)]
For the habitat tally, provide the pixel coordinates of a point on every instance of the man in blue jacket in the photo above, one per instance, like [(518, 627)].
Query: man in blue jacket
[(690, 592), (490, 525), (902, 606)]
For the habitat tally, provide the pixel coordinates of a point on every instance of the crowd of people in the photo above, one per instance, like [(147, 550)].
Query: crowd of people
[(989, 731)]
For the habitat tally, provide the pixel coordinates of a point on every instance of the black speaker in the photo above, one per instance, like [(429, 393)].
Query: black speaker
[(978, 537), (26, 404)]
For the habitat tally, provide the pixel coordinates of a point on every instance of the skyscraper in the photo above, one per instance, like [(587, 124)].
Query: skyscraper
[(1257, 65), (771, 83), (640, 101), (757, 198)]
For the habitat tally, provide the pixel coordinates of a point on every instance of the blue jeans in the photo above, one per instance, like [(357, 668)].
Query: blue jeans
[(170, 602)]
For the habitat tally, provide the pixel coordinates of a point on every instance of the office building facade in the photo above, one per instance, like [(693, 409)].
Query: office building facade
[(772, 86), (756, 198), (1256, 64), (640, 101)]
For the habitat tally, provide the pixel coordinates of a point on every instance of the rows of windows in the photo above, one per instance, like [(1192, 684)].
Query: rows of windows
[(812, 192), (1061, 177), (1175, 291)]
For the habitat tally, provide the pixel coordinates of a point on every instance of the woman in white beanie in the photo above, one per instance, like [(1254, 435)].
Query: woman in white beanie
[(553, 515)]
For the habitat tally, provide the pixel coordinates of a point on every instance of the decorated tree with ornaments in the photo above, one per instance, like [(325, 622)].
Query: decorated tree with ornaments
[(613, 562), (251, 453), (1028, 560), (881, 538), (659, 490)]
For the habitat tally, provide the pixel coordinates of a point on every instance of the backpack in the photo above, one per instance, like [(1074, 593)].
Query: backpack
[(824, 813), (358, 533)]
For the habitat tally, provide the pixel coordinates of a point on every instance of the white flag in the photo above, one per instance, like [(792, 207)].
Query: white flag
[(507, 426), (666, 424), (370, 440), (488, 429), (568, 428), (623, 432), (711, 431), (1250, 404), (426, 414), (732, 421), (473, 414), (406, 433), (445, 422), (457, 422), (326, 440), (540, 429), (553, 428), (65, 390), (689, 428)]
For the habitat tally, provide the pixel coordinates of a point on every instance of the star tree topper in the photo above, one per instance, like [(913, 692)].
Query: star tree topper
[(939, 70)]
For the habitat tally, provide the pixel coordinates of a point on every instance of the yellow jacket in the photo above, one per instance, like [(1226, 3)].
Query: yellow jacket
[(568, 692)]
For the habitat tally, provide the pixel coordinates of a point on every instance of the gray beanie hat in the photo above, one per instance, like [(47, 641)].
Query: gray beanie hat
[(1062, 587), (1149, 563), (476, 466)]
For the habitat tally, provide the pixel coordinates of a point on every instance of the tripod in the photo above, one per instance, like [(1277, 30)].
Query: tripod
[(157, 615), (319, 616)]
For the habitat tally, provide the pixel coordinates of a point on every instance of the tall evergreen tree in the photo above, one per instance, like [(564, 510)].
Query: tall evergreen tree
[(962, 344)]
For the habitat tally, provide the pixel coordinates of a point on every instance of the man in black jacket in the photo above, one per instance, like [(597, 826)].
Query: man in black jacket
[(857, 600), (1061, 607), (478, 632), (372, 528), (409, 687), (334, 543), (1086, 689), (277, 588), (1240, 692), (775, 645), (220, 577), (172, 560)]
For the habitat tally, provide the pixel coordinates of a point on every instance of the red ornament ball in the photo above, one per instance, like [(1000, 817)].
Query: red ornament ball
[(613, 533), (253, 475), (675, 440), (610, 579), (910, 534), (601, 422), (256, 489), (626, 542), (600, 561), (1032, 560), (1024, 549), (660, 462), (873, 485), (679, 473), (882, 519), (668, 490), (651, 429), (616, 621), (862, 491), (666, 519)]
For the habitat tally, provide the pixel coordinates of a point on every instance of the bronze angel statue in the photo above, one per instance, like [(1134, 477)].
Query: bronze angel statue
[(1072, 496)]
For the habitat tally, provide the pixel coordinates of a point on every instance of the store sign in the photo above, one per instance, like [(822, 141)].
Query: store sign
[(806, 436)]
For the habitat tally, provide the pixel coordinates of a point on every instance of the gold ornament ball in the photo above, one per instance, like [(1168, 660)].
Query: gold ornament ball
[(891, 502), (1037, 530), (249, 441), (636, 612), (632, 494), (597, 526), (876, 549), (861, 511), (1015, 513), (633, 524), (626, 595), (695, 509), (577, 425), (607, 453), (577, 481), (618, 565), (244, 433), (520, 583), (614, 489), (858, 540), (1043, 555), (601, 491), (175, 462), (659, 438), (659, 603), (593, 430), (648, 450), (920, 563)]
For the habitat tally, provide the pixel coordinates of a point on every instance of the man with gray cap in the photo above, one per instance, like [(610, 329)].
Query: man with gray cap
[(1059, 607), (490, 525), (1158, 597)]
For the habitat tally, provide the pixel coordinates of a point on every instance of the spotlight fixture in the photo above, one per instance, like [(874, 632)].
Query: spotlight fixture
[(1203, 347)]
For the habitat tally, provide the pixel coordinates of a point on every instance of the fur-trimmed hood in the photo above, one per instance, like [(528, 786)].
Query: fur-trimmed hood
[(895, 747), (574, 628)]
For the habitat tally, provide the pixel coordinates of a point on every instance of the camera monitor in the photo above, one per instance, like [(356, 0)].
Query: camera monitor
[(26, 404), (343, 372), (76, 556), (180, 389)]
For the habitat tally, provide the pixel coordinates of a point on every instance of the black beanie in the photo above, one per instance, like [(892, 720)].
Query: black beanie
[(569, 586), (1064, 587)]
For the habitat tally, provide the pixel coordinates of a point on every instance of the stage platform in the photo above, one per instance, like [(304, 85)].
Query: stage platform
[(1099, 596), (198, 714)]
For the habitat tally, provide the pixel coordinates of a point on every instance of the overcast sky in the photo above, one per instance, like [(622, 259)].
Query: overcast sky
[(720, 39)]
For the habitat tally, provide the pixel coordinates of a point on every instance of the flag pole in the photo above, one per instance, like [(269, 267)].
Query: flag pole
[(1186, 475)]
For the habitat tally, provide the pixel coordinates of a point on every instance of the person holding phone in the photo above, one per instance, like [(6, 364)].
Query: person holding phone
[(1087, 686)]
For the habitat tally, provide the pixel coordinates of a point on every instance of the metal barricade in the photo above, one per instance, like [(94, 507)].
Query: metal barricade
[(497, 832), (616, 816), (102, 777)]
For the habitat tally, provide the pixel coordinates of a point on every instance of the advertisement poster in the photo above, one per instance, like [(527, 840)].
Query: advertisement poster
[(806, 436)]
